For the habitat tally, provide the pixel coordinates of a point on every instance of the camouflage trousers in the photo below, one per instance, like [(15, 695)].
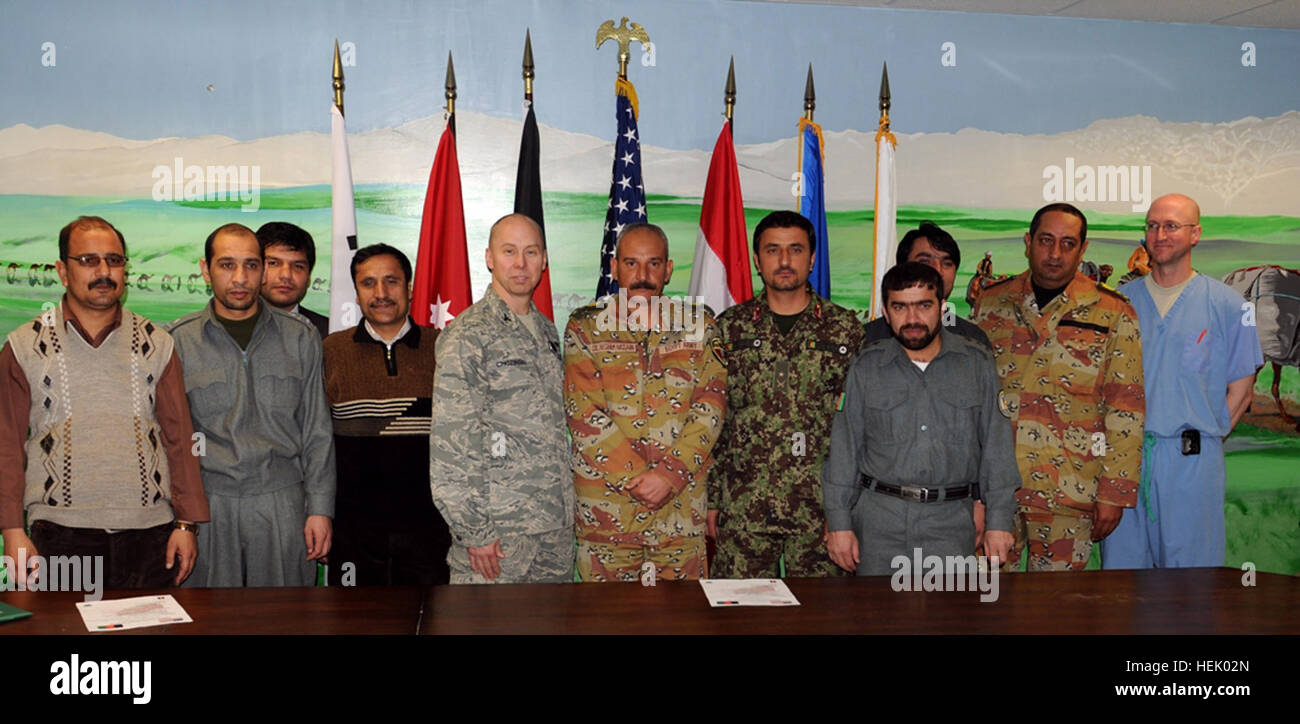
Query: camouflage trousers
[(540, 558), (1059, 539), (675, 559), (748, 554)]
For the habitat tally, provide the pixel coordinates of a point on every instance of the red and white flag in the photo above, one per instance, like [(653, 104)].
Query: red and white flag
[(442, 289), (721, 273)]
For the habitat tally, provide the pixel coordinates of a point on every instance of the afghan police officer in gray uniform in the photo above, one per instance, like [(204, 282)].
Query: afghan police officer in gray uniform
[(499, 455), (918, 437)]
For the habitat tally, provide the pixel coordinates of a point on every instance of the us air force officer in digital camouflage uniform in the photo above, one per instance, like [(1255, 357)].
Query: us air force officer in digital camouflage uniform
[(499, 467)]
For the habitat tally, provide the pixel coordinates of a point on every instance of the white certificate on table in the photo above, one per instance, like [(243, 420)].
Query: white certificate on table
[(747, 592), (125, 613)]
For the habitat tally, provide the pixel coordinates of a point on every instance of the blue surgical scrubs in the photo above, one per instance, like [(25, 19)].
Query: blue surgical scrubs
[(1189, 357)]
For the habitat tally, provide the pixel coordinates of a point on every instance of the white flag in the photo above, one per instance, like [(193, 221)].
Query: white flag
[(343, 305), (886, 225)]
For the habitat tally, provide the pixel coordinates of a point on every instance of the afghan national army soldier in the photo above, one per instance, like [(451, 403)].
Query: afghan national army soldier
[(499, 466), (786, 351), (645, 394), (1070, 357)]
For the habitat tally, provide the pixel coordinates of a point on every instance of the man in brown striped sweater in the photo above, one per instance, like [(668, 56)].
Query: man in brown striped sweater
[(378, 381)]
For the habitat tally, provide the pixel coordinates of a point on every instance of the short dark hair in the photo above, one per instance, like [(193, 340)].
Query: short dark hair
[(910, 274), (373, 250), (85, 222), (290, 236), (224, 229), (786, 220), (938, 238), (1063, 207)]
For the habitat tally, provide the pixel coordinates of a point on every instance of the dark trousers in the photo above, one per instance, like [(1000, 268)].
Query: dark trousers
[(378, 555), (132, 558)]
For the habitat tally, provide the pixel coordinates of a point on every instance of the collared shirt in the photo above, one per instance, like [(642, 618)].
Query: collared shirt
[(1072, 385), (262, 410), (782, 394), (498, 453), (937, 428), (171, 410), (406, 327), (636, 401)]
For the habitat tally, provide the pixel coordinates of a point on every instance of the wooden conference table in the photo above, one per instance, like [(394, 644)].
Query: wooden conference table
[(1179, 601)]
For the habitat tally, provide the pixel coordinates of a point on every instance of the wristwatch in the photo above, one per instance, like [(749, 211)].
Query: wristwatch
[(191, 527)]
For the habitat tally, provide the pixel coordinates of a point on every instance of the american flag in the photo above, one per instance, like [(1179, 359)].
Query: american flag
[(626, 192)]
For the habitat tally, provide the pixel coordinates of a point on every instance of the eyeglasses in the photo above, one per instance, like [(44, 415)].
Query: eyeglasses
[(1170, 227), (91, 261)]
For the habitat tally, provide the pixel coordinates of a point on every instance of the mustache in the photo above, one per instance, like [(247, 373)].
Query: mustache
[(381, 300), (917, 327), (643, 285), (104, 282)]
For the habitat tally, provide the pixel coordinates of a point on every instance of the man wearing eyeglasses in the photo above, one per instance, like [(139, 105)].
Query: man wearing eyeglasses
[(1200, 353), (1070, 359), (88, 376)]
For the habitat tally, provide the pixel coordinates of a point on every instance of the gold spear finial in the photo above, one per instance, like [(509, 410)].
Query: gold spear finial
[(528, 65), (809, 96), (338, 78), (730, 90), (451, 85), (624, 35)]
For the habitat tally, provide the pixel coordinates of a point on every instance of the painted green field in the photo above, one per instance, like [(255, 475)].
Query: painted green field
[(1263, 506)]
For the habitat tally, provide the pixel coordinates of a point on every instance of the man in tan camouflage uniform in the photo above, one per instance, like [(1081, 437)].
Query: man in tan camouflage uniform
[(499, 467), (1070, 358), (644, 391), (787, 351)]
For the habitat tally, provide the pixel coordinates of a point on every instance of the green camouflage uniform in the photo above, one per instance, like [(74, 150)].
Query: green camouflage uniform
[(1072, 388), (499, 456), (783, 390)]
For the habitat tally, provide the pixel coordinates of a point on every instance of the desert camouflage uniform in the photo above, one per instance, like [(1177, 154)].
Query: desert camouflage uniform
[(499, 458), (1072, 386), (638, 401), (782, 393)]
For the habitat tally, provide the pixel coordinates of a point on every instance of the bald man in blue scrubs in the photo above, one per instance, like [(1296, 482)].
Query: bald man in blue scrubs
[(1200, 353)]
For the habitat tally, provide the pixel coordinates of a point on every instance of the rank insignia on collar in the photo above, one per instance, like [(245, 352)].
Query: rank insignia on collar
[(1004, 405)]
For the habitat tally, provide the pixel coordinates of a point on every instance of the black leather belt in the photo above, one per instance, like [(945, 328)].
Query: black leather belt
[(920, 495)]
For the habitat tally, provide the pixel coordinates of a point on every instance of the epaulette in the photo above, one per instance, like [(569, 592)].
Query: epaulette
[(1106, 289), (998, 283), (585, 312)]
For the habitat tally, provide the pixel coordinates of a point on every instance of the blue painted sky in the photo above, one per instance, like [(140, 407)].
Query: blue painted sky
[(140, 69)]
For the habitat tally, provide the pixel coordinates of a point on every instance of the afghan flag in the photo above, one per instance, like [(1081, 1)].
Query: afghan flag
[(528, 200), (886, 222)]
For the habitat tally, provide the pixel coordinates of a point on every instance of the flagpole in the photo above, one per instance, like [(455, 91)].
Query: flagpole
[(343, 217), (529, 70), (338, 78), (884, 218), (450, 94), (809, 96), (627, 190), (729, 93), (528, 177)]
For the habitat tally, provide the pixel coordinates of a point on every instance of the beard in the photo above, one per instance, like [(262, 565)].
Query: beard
[(787, 284), (915, 343)]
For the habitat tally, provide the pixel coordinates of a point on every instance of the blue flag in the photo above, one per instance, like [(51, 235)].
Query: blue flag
[(626, 192), (812, 204)]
